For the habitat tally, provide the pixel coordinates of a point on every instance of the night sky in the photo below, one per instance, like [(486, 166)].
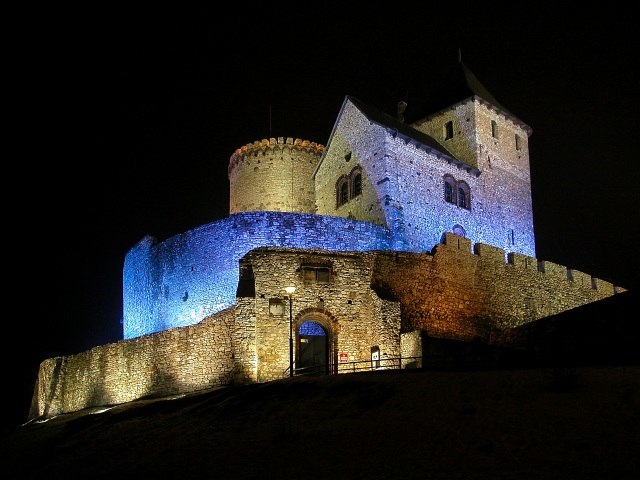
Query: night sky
[(125, 128)]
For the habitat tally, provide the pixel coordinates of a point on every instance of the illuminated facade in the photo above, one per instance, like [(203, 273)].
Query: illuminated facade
[(393, 231), (380, 184)]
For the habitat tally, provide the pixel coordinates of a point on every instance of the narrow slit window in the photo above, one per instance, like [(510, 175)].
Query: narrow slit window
[(448, 130), (518, 142)]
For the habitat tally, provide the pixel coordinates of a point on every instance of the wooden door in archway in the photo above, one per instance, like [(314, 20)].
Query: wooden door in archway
[(313, 356)]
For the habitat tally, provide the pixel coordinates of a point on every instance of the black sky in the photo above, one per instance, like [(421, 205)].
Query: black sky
[(125, 128)]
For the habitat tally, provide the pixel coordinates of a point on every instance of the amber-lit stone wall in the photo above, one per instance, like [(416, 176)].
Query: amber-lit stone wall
[(375, 298), (274, 175), (458, 293)]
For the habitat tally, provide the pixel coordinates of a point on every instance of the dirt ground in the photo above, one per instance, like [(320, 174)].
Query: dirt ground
[(554, 423)]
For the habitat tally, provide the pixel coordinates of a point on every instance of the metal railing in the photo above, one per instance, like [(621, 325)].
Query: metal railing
[(390, 363), (395, 363), (475, 360)]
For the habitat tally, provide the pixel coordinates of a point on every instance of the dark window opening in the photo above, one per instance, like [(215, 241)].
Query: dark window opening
[(462, 198), (457, 192), (349, 186), (449, 189), (448, 130), (494, 129), (448, 192), (464, 195), (315, 274), (344, 193), (357, 185)]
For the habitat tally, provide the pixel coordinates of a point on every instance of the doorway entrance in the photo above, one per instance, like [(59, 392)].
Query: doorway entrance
[(313, 356)]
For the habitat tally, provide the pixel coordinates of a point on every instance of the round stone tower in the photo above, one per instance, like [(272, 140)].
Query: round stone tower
[(274, 175)]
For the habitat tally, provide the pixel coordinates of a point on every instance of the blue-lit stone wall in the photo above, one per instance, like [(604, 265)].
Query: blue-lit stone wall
[(190, 276), (402, 207), (403, 189)]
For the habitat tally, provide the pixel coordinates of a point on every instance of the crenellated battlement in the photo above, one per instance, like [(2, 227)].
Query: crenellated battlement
[(489, 254), (274, 174), (265, 145), (280, 141)]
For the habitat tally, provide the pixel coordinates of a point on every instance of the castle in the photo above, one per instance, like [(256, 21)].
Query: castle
[(405, 226)]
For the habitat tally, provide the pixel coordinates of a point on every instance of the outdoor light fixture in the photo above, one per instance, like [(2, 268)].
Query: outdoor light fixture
[(290, 291)]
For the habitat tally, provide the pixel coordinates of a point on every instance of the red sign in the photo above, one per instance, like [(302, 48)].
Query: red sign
[(344, 358)]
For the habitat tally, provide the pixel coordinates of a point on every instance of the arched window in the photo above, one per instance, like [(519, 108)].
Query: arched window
[(357, 185), (457, 192), (355, 177), (349, 186), (462, 198), (343, 194), (448, 192), (342, 190), (464, 195), (449, 189), (459, 230)]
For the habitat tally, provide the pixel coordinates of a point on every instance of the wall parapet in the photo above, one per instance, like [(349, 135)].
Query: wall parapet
[(264, 145), (453, 243)]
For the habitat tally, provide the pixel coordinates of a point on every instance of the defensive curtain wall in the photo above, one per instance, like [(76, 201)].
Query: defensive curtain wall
[(451, 292), (454, 293), (194, 275)]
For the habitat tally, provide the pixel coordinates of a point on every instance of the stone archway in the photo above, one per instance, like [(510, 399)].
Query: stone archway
[(316, 334)]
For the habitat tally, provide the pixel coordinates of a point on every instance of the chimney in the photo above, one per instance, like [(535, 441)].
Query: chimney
[(401, 108)]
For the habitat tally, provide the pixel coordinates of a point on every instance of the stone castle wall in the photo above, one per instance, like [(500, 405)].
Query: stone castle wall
[(466, 295), (398, 277), (174, 361), (351, 313), (191, 276), (375, 298)]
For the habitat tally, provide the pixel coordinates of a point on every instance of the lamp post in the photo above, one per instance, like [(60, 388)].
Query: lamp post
[(290, 291)]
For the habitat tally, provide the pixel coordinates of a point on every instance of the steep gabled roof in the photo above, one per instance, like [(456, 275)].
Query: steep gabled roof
[(460, 85), (402, 130)]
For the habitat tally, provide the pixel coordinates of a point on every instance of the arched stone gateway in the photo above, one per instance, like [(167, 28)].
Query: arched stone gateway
[(316, 338)]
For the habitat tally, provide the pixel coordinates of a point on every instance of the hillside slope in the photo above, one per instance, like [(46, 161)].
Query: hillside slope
[(581, 422)]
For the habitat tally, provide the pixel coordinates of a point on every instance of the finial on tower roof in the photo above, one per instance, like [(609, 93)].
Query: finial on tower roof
[(459, 55)]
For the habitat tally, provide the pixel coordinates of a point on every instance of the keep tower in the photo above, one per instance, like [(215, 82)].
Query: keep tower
[(274, 175)]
